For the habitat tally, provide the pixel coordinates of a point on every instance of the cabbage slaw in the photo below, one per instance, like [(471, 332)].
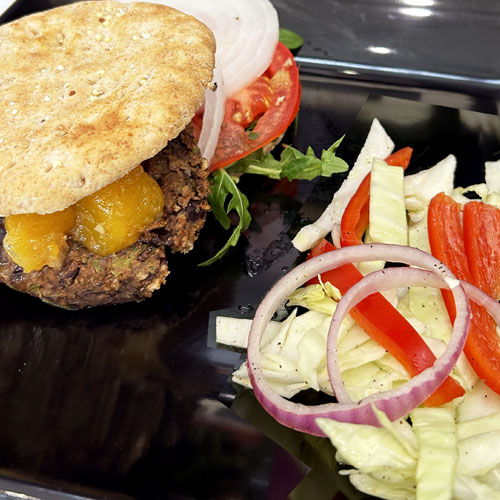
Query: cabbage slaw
[(294, 359)]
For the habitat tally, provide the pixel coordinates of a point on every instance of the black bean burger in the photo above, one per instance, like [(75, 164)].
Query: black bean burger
[(100, 174)]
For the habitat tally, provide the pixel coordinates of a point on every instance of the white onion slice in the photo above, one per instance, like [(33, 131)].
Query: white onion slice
[(212, 116), (396, 403), (246, 33)]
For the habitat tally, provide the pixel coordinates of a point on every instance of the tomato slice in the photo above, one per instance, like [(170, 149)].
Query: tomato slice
[(471, 252), (273, 100), (253, 101)]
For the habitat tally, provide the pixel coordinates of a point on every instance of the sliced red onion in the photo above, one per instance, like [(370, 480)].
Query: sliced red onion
[(213, 115), (396, 403), (388, 279)]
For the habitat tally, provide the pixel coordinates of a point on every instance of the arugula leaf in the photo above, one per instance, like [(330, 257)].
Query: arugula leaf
[(331, 163), (292, 164), (297, 165), (257, 163), (290, 39), (223, 186)]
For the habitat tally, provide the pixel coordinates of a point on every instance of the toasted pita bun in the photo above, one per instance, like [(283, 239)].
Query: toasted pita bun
[(90, 90)]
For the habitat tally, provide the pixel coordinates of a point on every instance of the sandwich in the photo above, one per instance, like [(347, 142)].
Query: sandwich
[(100, 174)]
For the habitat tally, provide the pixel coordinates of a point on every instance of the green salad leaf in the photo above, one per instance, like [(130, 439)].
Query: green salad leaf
[(290, 39), (222, 186), (291, 165)]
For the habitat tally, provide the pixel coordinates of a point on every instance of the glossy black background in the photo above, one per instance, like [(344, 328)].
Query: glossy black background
[(130, 400)]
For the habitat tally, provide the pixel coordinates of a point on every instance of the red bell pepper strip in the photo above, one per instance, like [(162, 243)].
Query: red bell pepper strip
[(471, 253), (355, 219), (356, 215), (383, 323), (482, 245)]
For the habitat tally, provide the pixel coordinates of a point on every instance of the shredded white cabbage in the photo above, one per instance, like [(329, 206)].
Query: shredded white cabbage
[(451, 452), (420, 188), (377, 145), (387, 219), (387, 205), (492, 175), (435, 458)]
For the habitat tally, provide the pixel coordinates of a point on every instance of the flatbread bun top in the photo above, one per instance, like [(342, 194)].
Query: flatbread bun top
[(90, 90)]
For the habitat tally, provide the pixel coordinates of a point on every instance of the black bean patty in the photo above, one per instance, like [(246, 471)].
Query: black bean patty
[(134, 273)]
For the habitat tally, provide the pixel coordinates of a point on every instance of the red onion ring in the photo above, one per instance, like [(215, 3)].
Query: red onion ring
[(391, 278), (396, 403)]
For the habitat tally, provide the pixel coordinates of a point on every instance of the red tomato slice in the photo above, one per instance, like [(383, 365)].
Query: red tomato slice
[(273, 99), (253, 101)]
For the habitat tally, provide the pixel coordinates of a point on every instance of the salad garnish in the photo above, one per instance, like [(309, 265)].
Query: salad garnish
[(291, 165), (445, 451), (290, 39), (222, 186)]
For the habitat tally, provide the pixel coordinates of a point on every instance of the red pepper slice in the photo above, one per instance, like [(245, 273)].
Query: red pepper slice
[(482, 245), (446, 237), (383, 323), (356, 215), (472, 254)]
